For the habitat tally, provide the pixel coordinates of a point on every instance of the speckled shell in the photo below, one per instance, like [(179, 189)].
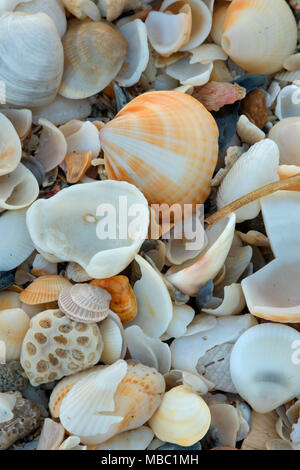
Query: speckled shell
[(165, 143), (259, 35)]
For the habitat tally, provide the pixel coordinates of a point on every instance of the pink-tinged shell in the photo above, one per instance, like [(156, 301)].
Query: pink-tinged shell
[(214, 95), (44, 289), (165, 143)]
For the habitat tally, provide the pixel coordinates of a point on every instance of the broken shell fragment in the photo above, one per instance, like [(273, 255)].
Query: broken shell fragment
[(190, 74), (137, 439), (14, 324), (249, 132), (18, 189), (77, 163), (287, 105), (7, 404), (52, 146), (215, 95), (53, 8), (112, 9), (51, 436), (232, 304), (81, 137)]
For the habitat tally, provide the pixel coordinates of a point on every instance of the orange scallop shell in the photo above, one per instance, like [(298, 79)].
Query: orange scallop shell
[(44, 289)]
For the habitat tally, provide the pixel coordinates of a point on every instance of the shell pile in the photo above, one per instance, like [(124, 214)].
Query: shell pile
[(150, 225)]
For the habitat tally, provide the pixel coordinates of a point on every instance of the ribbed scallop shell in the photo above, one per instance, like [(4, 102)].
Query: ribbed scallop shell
[(84, 303), (259, 35), (164, 142), (44, 289)]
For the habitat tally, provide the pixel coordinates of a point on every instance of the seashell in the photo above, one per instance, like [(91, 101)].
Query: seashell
[(7, 404), (190, 74), (279, 444), (52, 147), (168, 32), (268, 383), (42, 267), (285, 134), (71, 443), (10, 5), (10, 148), (263, 47), (161, 61), (14, 324), (52, 435), (287, 105), (88, 66), (84, 303), (232, 304), (285, 171), (137, 57), (293, 413), (62, 110), (137, 439), (201, 20), (52, 8), (44, 289), (77, 163), (295, 438), (35, 167), (16, 244), (201, 323), (292, 63), (249, 132), (90, 249), (18, 189), (288, 76), (215, 367), (123, 301), (182, 417), (193, 274), (226, 329), (114, 343), (9, 300), (149, 351), (32, 77), (215, 95), (82, 9), (155, 252), (254, 169), (192, 382), (125, 397), (148, 108), (225, 424), (262, 430), (155, 308), (219, 13), (183, 315), (164, 82), (76, 273), (21, 119), (112, 9), (220, 72), (207, 53), (81, 137)]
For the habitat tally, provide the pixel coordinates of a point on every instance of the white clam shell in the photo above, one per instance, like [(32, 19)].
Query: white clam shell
[(16, 244), (288, 102), (286, 134), (62, 110), (21, 119), (10, 146), (249, 132), (51, 226), (81, 137), (18, 189), (271, 377), (139, 345), (155, 308), (137, 57), (52, 8), (137, 439), (113, 336), (52, 147), (207, 53), (193, 274), (183, 315), (232, 304), (254, 169), (190, 74), (32, 75), (7, 404)]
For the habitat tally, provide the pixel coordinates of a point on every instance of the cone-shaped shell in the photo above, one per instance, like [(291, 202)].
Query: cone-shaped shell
[(182, 418), (166, 143), (264, 366), (44, 289), (94, 54), (259, 38)]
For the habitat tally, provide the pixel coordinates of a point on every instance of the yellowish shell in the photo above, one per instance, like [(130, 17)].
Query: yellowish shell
[(165, 143), (14, 324), (182, 418), (259, 35), (44, 289)]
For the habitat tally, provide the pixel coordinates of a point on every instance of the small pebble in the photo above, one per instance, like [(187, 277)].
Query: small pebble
[(255, 108)]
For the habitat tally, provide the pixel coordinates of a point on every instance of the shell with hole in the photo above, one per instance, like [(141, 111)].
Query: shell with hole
[(154, 129), (286, 135), (52, 8), (125, 396), (259, 46), (10, 147), (18, 189), (271, 377), (123, 301), (254, 169), (32, 74), (44, 289), (94, 54), (51, 226), (190, 276), (182, 418), (14, 324)]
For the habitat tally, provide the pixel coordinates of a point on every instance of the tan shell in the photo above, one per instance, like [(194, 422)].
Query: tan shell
[(77, 163), (14, 324), (44, 289), (94, 54), (82, 8), (112, 9), (84, 303), (10, 146), (263, 428), (55, 346), (51, 436), (21, 119)]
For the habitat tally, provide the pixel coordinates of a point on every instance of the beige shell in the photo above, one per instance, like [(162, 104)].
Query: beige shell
[(82, 9), (84, 303), (182, 418), (14, 324), (10, 146), (263, 428), (52, 147), (9, 300), (32, 75), (81, 137), (249, 132), (137, 439), (21, 119), (42, 267), (94, 54), (112, 9), (52, 435), (286, 135), (114, 343), (55, 346), (44, 289), (18, 189), (76, 273)]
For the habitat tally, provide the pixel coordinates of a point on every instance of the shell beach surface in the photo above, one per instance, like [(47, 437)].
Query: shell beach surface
[(149, 225)]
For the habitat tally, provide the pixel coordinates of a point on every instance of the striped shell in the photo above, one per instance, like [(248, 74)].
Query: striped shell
[(44, 289), (165, 143)]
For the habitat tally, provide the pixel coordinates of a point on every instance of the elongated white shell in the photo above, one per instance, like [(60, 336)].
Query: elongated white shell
[(51, 226), (10, 146), (32, 75), (182, 316), (254, 169), (249, 132), (207, 53), (52, 8), (52, 146), (18, 189), (271, 377), (14, 324)]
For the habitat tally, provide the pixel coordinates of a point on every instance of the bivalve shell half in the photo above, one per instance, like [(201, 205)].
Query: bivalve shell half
[(286, 134), (62, 110), (52, 8), (18, 189), (44, 289), (114, 343), (152, 131), (182, 418), (10, 146), (21, 119), (14, 324), (259, 38), (52, 147)]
